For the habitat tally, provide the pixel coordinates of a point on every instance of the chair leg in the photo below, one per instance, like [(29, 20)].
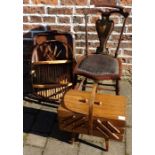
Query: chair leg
[(106, 148), (74, 138), (117, 87), (84, 85), (74, 81)]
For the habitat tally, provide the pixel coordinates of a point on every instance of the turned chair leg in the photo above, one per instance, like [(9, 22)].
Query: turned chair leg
[(117, 87), (74, 80), (84, 85)]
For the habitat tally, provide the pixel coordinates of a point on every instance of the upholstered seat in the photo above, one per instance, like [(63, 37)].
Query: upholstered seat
[(99, 67)]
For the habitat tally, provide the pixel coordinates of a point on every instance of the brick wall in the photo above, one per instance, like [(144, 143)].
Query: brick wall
[(67, 15)]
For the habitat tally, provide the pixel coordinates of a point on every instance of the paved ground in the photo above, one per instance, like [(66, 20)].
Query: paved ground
[(42, 136)]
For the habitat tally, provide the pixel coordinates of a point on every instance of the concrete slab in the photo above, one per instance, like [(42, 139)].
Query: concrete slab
[(24, 137), (29, 150), (126, 90), (36, 140), (92, 148), (129, 141), (129, 116), (91, 138), (55, 147), (115, 148)]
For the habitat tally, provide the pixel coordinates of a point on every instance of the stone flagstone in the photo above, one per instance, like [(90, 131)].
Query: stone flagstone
[(36, 140)]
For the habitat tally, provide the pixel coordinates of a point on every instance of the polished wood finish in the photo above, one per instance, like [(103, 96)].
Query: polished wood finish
[(51, 85), (102, 115), (111, 106), (51, 62)]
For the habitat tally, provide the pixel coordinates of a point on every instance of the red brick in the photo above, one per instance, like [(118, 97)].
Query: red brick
[(35, 19), (111, 45), (90, 51), (103, 2), (73, 2), (81, 2), (59, 28), (65, 11), (82, 36), (127, 67), (33, 27), (129, 29), (79, 36), (27, 27), (129, 10), (48, 19), (92, 37), (63, 19), (125, 2), (90, 44), (51, 2), (126, 73), (127, 37), (67, 2), (129, 21), (127, 60), (127, 52), (126, 45), (82, 28), (114, 37), (80, 44), (117, 29), (116, 19), (93, 19), (78, 20), (79, 51), (25, 1), (93, 44), (87, 11), (31, 10), (113, 51), (25, 19)]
